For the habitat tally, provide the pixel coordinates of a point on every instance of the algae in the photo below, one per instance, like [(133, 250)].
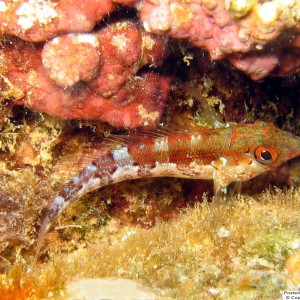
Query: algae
[(186, 258)]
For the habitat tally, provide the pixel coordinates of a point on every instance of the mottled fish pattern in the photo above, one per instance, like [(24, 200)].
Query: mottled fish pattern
[(231, 154)]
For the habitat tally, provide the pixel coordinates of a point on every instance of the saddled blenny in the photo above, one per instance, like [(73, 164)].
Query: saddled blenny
[(234, 153)]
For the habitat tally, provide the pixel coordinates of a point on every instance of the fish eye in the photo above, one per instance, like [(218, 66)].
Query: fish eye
[(265, 156)]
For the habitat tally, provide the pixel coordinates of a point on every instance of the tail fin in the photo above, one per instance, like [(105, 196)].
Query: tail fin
[(58, 205)]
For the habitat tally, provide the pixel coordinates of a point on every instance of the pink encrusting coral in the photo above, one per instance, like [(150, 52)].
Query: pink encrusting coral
[(246, 32), (238, 30), (38, 20), (93, 75), (81, 63), (71, 58)]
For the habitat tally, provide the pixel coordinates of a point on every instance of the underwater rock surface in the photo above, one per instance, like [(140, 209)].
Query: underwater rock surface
[(91, 76), (83, 68)]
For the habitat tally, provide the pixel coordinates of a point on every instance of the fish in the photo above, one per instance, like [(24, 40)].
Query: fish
[(234, 153)]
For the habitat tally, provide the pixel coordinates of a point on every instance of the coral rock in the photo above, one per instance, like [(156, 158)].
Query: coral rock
[(71, 58), (125, 49), (38, 20), (229, 28), (92, 76), (257, 65)]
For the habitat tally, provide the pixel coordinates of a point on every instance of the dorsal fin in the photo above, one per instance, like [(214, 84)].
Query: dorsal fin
[(76, 151), (138, 136)]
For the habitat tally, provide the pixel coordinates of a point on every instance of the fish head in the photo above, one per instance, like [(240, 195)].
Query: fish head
[(260, 147), (271, 146)]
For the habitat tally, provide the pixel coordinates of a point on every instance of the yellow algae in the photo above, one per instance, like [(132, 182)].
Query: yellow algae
[(146, 114), (187, 258), (182, 14)]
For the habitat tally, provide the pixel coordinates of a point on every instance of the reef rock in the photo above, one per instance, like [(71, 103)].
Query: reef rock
[(71, 59), (92, 75), (242, 31)]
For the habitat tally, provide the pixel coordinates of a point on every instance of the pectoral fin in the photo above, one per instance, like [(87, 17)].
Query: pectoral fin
[(221, 182)]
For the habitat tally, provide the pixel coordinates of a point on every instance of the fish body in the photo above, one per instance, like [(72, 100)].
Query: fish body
[(231, 154)]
